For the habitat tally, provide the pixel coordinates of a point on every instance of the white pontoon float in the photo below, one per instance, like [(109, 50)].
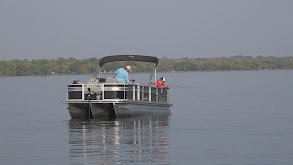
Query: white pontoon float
[(105, 98)]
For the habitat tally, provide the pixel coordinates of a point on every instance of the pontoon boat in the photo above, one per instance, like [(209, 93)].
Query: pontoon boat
[(105, 98)]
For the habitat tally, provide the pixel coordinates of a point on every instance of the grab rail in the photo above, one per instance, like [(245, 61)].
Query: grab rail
[(117, 91)]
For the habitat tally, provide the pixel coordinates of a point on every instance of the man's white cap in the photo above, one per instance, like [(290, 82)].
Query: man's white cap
[(128, 67)]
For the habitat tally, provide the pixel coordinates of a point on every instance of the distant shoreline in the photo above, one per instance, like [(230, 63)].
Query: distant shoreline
[(148, 72), (71, 66)]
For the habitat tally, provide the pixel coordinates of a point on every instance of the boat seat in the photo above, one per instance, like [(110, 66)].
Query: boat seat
[(93, 80), (111, 80)]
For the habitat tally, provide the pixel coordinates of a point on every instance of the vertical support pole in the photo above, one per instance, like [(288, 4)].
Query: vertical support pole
[(82, 92), (103, 91), (157, 94), (133, 92), (150, 93), (156, 75), (124, 91), (142, 93), (138, 92)]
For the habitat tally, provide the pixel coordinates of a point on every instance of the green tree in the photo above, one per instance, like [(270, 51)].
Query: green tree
[(9, 68), (23, 69)]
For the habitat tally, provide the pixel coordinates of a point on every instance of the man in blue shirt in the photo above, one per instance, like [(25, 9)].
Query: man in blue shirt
[(122, 74)]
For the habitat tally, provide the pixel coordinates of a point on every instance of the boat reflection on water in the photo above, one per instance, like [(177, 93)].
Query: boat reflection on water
[(129, 140)]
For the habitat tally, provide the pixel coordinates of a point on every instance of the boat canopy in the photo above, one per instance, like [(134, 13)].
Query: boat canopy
[(142, 58)]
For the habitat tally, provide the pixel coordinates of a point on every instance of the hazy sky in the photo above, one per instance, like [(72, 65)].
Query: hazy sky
[(36, 29)]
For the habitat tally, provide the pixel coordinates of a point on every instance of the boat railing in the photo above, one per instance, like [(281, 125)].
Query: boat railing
[(117, 91)]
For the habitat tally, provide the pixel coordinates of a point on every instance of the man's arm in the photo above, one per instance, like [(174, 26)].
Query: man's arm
[(127, 78)]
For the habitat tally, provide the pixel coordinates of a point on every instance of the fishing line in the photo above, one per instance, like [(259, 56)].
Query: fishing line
[(176, 86), (172, 81)]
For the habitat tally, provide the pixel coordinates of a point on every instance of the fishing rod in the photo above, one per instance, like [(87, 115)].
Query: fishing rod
[(176, 86)]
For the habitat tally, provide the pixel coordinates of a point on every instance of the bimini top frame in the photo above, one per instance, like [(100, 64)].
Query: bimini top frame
[(141, 58)]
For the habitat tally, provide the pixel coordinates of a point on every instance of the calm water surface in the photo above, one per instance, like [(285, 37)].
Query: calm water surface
[(221, 118)]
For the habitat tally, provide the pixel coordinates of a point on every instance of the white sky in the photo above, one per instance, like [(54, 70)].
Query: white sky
[(36, 29)]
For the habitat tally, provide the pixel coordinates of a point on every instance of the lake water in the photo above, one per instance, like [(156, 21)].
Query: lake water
[(217, 118)]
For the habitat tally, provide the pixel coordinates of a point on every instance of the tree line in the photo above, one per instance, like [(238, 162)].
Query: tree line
[(63, 66)]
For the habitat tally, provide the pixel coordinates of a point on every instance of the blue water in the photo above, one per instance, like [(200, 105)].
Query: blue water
[(221, 118)]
